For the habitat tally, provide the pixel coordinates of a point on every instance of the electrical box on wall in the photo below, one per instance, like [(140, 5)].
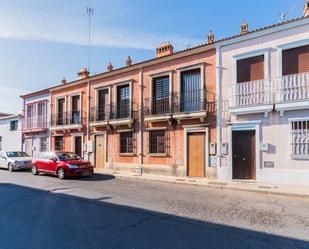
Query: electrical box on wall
[(89, 146), (224, 148), (213, 149)]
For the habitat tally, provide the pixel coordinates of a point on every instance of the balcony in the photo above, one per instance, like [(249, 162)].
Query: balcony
[(100, 115), (189, 105), (121, 114), (67, 120), (158, 109), (34, 124), (251, 97), (292, 92)]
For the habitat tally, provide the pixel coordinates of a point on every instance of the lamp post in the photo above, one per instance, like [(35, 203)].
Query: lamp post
[(90, 13)]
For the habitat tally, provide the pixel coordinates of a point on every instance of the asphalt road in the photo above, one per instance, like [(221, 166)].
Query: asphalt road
[(104, 212)]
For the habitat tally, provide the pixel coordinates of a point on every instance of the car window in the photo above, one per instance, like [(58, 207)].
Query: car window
[(16, 154), (64, 156)]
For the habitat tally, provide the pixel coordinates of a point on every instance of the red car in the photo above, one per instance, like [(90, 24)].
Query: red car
[(61, 164)]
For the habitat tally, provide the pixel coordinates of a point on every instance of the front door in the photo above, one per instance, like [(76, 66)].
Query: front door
[(99, 152), (244, 155), (196, 154), (78, 145)]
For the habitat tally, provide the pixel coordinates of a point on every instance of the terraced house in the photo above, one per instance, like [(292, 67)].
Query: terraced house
[(264, 79), (35, 122)]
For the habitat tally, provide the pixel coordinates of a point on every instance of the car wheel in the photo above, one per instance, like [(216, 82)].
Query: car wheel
[(34, 170), (10, 167), (61, 173)]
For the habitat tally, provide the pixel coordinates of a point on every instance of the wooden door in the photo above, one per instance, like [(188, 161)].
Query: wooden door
[(244, 155), (78, 145), (99, 152), (196, 154)]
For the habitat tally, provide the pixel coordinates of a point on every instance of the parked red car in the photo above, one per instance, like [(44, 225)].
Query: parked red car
[(61, 164)]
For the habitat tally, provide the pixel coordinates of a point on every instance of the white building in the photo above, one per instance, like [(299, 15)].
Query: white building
[(36, 122), (10, 133), (263, 77)]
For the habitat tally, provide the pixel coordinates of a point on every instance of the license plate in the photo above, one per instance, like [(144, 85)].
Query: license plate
[(86, 173)]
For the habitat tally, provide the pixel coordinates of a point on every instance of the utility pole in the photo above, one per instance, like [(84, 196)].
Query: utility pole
[(90, 13)]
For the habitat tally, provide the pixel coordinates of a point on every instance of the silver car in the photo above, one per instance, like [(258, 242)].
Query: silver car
[(14, 160)]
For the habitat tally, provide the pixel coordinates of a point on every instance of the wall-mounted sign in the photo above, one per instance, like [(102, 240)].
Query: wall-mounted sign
[(269, 164), (264, 147)]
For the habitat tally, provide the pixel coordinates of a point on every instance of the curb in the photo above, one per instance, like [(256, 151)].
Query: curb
[(225, 187)]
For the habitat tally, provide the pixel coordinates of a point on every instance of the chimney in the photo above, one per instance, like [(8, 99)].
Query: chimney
[(210, 37), (63, 81), (244, 28), (306, 9), (110, 67), (164, 50), (128, 61), (83, 73)]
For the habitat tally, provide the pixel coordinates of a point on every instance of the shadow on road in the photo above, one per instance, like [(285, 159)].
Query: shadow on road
[(34, 218)]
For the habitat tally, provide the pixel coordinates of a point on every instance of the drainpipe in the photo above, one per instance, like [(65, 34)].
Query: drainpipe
[(141, 121), (219, 105), (88, 116)]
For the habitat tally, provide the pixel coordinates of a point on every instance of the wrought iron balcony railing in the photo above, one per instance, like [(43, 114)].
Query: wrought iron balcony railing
[(158, 106), (191, 101), (67, 118), (34, 123)]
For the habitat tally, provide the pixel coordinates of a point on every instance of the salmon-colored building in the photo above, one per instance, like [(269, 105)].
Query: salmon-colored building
[(156, 116)]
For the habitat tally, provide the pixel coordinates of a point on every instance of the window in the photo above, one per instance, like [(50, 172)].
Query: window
[(160, 93), (14, 125), (123, 101), (59, 143), (295, 60), (126, 142), (75, 115), (157, 140), (43, 144), (41, 115), (191, 91), (300, 138), (0, 143), (250, 69)]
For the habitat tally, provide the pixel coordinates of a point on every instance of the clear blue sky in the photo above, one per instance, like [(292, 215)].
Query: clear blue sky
[(44, 41)]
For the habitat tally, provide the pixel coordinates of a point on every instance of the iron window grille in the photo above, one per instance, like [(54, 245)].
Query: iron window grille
[(14, 125), (43, 144), (59, 143), (157, 142), (126, 143), (300, 138)]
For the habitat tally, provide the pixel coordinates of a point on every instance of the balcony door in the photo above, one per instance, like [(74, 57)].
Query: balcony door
[(160, 93), (60, 111), (30, 116), (190, 96), (41, 115), (250, 69), (295, 61), (123, 101), (75, 109), (102, 112)]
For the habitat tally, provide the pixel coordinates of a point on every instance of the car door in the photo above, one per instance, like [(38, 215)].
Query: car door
[(3, 160), (51, 163)]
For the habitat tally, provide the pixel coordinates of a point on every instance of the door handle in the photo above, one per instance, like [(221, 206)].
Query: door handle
[(244, 159)]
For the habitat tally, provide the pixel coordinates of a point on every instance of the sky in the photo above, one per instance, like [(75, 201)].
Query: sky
[(42, 42)]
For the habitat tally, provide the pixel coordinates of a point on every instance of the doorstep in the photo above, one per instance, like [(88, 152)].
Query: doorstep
[(258, 187)]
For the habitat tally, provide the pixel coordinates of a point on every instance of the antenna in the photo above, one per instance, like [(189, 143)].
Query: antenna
[(90, 12), (283, 16)]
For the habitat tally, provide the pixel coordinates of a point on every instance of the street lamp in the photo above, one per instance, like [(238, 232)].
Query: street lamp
[(90, 13)]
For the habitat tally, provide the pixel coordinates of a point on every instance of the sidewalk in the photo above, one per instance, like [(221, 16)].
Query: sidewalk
[(264, 188)]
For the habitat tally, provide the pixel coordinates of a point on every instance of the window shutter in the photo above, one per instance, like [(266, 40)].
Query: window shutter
[(295, 60), (250, 69)]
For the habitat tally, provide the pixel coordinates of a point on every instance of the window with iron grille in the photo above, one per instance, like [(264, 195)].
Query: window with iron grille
[(43, 144), (14, 125), (157, 141), (300, 138), (126, 142), (59, 143)]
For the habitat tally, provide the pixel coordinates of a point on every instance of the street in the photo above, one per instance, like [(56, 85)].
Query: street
[(106, 212)]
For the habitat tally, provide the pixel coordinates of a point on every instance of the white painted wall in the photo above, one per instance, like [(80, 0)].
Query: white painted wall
[(273, 129), (11, 140)]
